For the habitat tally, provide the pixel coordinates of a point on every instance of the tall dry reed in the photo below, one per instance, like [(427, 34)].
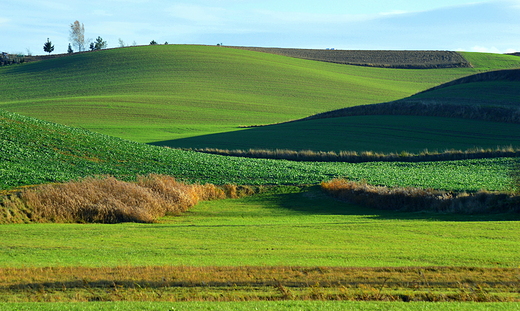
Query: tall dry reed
[(106, 200)]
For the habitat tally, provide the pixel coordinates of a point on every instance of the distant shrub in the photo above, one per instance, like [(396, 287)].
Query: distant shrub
[(416, 199), (107, 200)]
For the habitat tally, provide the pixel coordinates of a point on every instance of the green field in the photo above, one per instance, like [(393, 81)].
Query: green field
[(294, 227), (380, 133), (198, 96), (491, 61), (158, 93), (35, 152)]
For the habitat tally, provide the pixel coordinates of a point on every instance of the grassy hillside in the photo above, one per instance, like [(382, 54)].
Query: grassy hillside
[(155, 93), (484, 108), (378, 133), (34, 152), (491, 61), (492, 88)]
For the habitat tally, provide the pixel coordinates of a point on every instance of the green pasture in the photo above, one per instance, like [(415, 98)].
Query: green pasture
[(157, 93), (491, 61), (378, 133), (492, 93), (35, 152), (289, 226), (262, 305)]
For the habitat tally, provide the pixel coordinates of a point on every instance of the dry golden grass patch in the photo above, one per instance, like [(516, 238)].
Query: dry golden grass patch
[(174, 283), (108, 200)]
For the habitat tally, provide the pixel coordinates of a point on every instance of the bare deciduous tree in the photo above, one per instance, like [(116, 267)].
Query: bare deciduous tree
[(77, 35)]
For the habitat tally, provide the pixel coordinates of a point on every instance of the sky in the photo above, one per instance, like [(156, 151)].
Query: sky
[(457, 25)]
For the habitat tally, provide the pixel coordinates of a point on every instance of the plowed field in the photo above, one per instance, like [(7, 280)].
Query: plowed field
[(389, 58)]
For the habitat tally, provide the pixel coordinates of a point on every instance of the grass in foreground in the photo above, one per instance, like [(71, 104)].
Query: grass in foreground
[(297, 227), (433, 284), (246, 306), (108, 200)]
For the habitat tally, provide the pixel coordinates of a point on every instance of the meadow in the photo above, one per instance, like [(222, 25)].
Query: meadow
[(288, 242), (292, 226), (220, 253)]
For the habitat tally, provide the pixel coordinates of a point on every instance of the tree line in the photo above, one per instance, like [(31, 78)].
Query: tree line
[(77, 37)]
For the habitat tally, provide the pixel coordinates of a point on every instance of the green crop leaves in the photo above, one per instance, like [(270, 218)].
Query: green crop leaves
[(35, 152)]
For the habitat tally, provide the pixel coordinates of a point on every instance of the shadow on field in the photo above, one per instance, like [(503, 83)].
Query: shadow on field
[(312, 200)]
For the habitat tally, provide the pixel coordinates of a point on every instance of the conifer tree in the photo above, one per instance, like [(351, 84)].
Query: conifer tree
[(48, 47)]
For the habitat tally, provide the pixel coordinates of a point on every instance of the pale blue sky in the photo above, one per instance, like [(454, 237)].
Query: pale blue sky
[(470, 25)]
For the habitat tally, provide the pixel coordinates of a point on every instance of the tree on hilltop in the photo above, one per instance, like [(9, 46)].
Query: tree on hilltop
[(77, 35), (98, 44), (48, 47)]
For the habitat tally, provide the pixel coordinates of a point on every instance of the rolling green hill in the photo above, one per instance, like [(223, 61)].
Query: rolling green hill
[(378, 133), (156, 93), (35, 152), (491, 88), (485, 106)]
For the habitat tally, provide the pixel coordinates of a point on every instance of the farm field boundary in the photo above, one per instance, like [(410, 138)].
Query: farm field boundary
[(365, 156), (253, 283)]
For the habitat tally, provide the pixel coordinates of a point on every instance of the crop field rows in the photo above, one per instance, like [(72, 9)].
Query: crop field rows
[(390, 59)]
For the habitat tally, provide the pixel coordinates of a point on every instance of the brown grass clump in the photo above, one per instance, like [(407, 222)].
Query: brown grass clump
[(105, 200), (417, 199)]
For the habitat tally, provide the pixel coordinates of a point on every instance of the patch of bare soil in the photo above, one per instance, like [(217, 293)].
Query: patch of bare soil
[(374, 58)]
